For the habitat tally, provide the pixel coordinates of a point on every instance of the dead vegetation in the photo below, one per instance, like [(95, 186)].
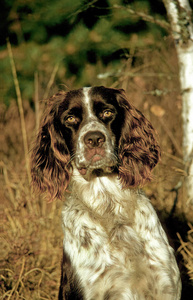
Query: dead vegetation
[(31, 237)]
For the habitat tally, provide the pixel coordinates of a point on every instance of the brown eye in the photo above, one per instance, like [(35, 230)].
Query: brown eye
[(71, 120), (107, 114)]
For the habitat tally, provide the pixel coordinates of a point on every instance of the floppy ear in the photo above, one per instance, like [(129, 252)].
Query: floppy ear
[(50, 155), (139, 151)]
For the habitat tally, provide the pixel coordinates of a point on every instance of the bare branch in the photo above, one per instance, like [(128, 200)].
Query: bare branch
[(143, 16)]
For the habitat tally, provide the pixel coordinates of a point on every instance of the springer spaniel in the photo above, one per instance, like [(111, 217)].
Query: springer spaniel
[(93, 149)]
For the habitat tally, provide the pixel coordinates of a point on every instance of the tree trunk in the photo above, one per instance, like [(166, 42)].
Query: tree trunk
[(180, 16)]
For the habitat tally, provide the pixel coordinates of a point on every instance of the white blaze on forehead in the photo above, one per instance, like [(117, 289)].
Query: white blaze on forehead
[(87, 102)]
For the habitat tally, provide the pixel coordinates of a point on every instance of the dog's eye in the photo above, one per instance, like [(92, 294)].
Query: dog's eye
[(107, 114), (71, 120)]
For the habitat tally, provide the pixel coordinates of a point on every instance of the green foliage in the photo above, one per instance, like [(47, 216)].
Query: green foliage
[(75, 35)]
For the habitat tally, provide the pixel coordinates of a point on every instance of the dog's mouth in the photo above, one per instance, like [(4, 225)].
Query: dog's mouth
[(97, 167), (98, 172)]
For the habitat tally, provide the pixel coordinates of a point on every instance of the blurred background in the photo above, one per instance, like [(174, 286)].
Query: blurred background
[(62, 45)]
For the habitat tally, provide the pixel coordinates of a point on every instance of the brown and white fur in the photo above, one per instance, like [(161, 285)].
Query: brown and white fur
[(94, 149)]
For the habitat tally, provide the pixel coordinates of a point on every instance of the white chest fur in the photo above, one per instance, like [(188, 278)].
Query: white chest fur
[(116, 244)]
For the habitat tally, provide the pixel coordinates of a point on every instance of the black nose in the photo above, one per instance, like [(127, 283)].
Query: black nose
[(94, 139)]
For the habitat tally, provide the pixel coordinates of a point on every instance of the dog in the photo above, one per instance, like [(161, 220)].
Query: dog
[(96, 150)]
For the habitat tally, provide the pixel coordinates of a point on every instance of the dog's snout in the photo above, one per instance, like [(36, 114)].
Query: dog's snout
[(93, 139)]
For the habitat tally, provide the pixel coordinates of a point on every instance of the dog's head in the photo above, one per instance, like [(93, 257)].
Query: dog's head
[(97, 131)]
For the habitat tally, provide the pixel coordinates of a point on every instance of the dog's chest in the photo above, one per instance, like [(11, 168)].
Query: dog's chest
[(95, 243)]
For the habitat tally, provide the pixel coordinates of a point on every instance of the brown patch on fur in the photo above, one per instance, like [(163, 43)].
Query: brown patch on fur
[(139, 151), (69, 286), (50, 155)]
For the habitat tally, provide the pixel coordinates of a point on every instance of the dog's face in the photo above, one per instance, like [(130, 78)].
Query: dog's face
[(92, 120), (97, 130)]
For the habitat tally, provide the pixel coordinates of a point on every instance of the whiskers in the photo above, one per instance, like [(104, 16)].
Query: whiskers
[(72, 157)]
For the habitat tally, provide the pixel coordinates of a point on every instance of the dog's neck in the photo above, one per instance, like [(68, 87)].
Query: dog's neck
[(102, 194)]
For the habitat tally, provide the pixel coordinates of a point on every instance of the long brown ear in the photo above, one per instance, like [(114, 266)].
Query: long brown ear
[(139, 151), (50, 155)]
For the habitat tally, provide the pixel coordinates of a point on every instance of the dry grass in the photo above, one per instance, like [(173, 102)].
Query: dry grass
[(31, 241), (31, 238), (186, 249)]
